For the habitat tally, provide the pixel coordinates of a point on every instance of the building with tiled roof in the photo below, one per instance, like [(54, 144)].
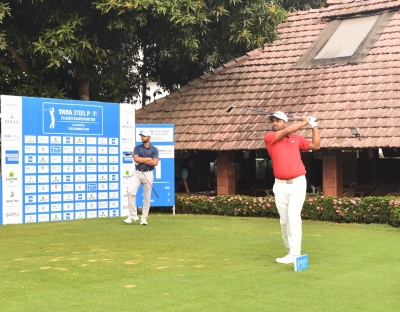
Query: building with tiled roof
[(340, 64)]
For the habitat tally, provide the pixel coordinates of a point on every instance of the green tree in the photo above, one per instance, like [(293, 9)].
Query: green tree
[(53, 48), (108, 49), (302, 5)]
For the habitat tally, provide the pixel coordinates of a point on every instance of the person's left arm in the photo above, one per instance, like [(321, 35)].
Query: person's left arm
[(145, 160), (315, 143), (149, 161)]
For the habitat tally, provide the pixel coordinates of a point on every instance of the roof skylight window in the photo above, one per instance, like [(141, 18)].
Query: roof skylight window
[(347, 37), (345, 41)]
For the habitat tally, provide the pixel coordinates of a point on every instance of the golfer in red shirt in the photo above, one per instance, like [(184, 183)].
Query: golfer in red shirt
[(290, 183)]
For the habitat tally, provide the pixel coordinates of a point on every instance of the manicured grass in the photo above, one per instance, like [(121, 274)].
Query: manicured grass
[(196, 263)]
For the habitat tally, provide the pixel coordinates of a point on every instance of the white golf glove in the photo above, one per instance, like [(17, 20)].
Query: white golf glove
[(313, 122)]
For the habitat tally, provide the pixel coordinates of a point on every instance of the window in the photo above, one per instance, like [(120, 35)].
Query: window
[(345, 41)]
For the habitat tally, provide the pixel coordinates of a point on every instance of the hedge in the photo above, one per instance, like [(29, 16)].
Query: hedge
[(384, 210)]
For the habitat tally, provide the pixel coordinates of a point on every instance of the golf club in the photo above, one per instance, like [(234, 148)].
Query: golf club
[(259, 110), (150, 184), (128, 154)]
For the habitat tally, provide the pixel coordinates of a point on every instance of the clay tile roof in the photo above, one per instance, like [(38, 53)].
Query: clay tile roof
[(364, 95), (351, 7)]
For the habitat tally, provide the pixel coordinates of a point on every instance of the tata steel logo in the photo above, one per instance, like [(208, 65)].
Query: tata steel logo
[(11, 137)]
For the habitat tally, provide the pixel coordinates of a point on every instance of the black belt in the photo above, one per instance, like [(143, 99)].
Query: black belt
[(145, 170)]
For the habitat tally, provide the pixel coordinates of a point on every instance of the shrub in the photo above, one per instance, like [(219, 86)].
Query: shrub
[(394, 205), (334, 209)]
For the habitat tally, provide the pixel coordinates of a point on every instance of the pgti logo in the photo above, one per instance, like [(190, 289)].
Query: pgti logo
[(92, 113), (52, 118)]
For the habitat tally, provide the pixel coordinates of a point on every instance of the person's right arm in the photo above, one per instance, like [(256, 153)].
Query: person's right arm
[(292, 128), (145, 160), (184, 177)]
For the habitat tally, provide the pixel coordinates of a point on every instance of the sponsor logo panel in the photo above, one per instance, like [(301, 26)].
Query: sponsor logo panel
[(103, 213)]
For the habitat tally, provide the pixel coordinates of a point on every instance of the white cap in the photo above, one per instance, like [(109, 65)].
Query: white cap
[(145, 132), (279, 115)]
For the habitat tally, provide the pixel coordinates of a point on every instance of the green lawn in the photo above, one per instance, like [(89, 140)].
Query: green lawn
[(196, 263)]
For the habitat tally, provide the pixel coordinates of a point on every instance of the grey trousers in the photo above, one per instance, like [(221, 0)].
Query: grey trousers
[(140, 178)]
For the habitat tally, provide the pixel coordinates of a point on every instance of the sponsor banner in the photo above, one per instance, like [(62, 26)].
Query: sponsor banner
[(12, 197), (103, 204), (30, 209), (91, 205), (12, 160), (114, 213), (91, 214), (30, 218), (56, 216), (44, 208), (12, 157), (103, 213), (114, 204), (125, 209), (12, 176), (61, 159), (64, 118), (80, 215), (68, 216), (163, 192), (166, 151), (12, 215), (127, 120), (43, 217), (159, 133), (56, 207)]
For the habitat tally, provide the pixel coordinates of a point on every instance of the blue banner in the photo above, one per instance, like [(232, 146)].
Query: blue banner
[(61, 118), (71, 162), (162, 137)]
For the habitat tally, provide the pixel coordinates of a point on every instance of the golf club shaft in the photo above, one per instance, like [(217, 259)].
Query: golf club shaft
[(150, 184), (258, 110), (128, 154)]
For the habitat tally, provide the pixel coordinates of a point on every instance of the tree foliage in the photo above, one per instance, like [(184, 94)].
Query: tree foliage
[(108, 49), (302, 5)]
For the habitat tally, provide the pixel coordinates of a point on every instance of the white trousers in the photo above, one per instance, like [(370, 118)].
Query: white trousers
[(138, 178), (289, 199)]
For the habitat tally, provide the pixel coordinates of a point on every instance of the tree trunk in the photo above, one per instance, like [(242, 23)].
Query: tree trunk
[(18, 59), (84, 90), (144, 91)]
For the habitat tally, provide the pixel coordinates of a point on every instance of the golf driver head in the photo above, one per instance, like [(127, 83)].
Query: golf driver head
[(230, 108)]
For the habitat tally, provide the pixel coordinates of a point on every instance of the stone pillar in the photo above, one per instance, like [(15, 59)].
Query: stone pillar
[(226, 173), (332, 173)]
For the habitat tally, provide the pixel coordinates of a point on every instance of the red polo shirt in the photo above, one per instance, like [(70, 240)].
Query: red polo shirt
[(285, 155)]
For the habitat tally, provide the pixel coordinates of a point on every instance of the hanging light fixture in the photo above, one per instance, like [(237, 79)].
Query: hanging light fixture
[(356, 132)]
